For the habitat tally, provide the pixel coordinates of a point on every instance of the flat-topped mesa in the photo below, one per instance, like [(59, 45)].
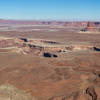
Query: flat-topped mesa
[(47, 45), (92, 27), (42, 41), (65, 48), (31, 46), (59, 48)]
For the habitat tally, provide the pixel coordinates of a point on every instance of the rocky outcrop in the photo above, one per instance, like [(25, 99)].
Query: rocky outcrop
[(91, 92), (30, 45), (92, 27)]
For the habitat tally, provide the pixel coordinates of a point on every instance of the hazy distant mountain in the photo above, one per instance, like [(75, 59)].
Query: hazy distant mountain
[(64, 23)]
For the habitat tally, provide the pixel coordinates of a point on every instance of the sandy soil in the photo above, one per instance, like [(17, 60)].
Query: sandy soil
[(71, 76)]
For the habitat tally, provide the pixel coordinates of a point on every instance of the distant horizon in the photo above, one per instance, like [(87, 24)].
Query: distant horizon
[(50, 20)]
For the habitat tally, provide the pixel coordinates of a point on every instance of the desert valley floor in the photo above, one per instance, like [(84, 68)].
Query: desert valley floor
[(49, 62)]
